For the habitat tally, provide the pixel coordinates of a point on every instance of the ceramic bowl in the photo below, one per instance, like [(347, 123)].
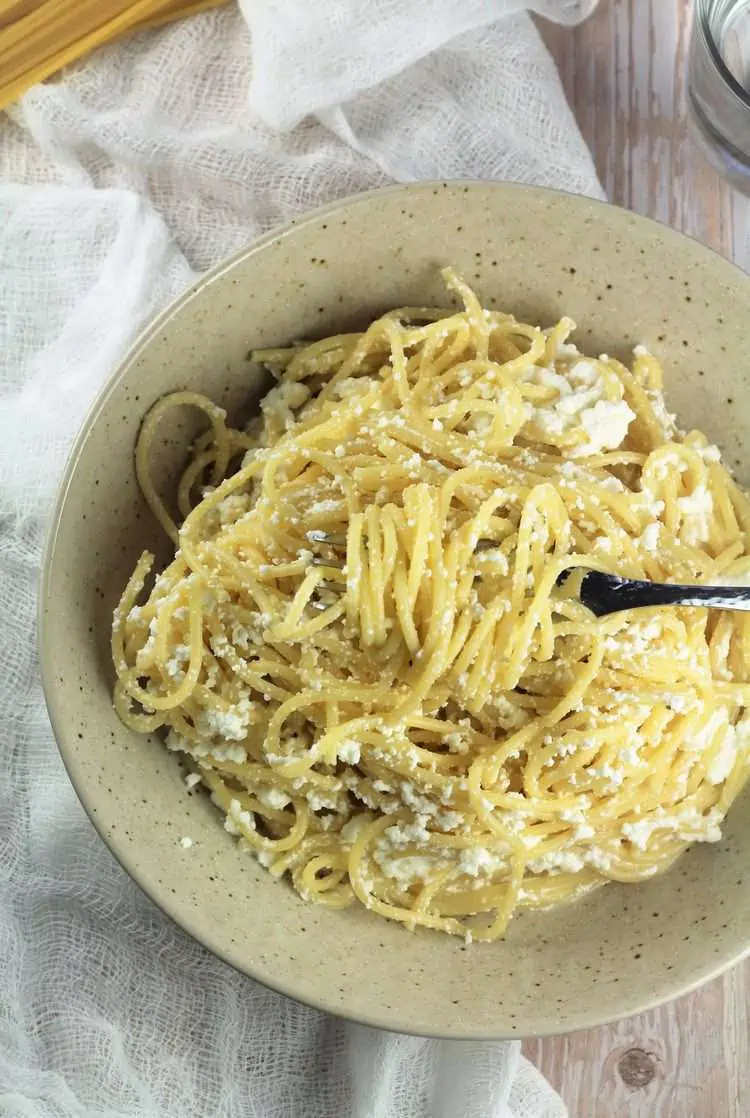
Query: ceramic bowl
[(625, 280)]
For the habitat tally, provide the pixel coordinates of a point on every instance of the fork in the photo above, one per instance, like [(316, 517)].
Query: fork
[(601, 593)]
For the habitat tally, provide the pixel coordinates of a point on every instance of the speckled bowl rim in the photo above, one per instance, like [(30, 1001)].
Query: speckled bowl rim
[(669, 990)]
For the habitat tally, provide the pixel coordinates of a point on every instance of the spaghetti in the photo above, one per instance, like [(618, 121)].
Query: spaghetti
[(38, 38), (362, 648)]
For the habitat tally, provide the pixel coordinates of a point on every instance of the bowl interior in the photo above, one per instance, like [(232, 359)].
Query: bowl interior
[(625, 281)]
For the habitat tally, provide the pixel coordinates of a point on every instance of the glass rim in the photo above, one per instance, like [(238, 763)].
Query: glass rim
[(703, 13)]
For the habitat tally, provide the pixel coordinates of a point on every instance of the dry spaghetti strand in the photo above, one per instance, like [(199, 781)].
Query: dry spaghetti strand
[(40, 37)]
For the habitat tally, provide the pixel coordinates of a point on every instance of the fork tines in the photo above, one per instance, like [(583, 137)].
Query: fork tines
[(333, 539)]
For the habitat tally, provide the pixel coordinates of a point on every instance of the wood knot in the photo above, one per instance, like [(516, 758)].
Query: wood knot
[(637, 1068)]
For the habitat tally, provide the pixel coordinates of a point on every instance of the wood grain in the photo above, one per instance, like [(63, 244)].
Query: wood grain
[(623, 72)]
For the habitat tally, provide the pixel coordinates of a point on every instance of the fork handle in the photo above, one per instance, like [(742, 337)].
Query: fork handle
[(605, 593)]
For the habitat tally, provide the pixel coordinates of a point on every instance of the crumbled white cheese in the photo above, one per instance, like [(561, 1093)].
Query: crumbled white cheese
[(322, 801), (696, 509), (695, 827), (613, 484), (640, 832), (414, 799), (606, 425), (186, 842), (666, 420), (564, 861), (236, 754), (405, 869), (614, 777), (272, 797), (649, 539), (679, 703), (456, 742), (178, 744), (238, 819), (508, 715), (580, 403), (353, 827), (630, 754), (231, 725), (634, 639), (688, 824), (192, 779), (349, 751), (477, 859), (599, 859), (572, 815), (448, 821), (284, 397), (325, 506), (408, 834)]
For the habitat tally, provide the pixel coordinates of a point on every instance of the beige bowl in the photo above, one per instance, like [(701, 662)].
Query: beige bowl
[(625, 280)]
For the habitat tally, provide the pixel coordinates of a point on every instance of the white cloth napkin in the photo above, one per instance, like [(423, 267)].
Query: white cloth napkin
[(118, 185)]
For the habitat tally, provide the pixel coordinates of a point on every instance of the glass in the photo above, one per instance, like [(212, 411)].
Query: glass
[(719, 85)]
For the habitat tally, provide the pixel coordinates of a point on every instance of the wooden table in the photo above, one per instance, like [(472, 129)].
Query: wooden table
[(623, 73)]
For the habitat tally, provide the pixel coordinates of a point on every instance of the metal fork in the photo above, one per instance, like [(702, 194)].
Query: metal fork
[(605, 593), (601, 593)]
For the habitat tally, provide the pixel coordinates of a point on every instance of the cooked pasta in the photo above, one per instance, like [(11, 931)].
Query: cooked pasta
[(362, 647)]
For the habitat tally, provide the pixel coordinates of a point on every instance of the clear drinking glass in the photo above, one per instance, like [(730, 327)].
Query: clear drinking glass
[(718, 85)]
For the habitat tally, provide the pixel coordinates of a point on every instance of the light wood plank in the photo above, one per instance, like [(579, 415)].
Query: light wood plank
[(623, 72)]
